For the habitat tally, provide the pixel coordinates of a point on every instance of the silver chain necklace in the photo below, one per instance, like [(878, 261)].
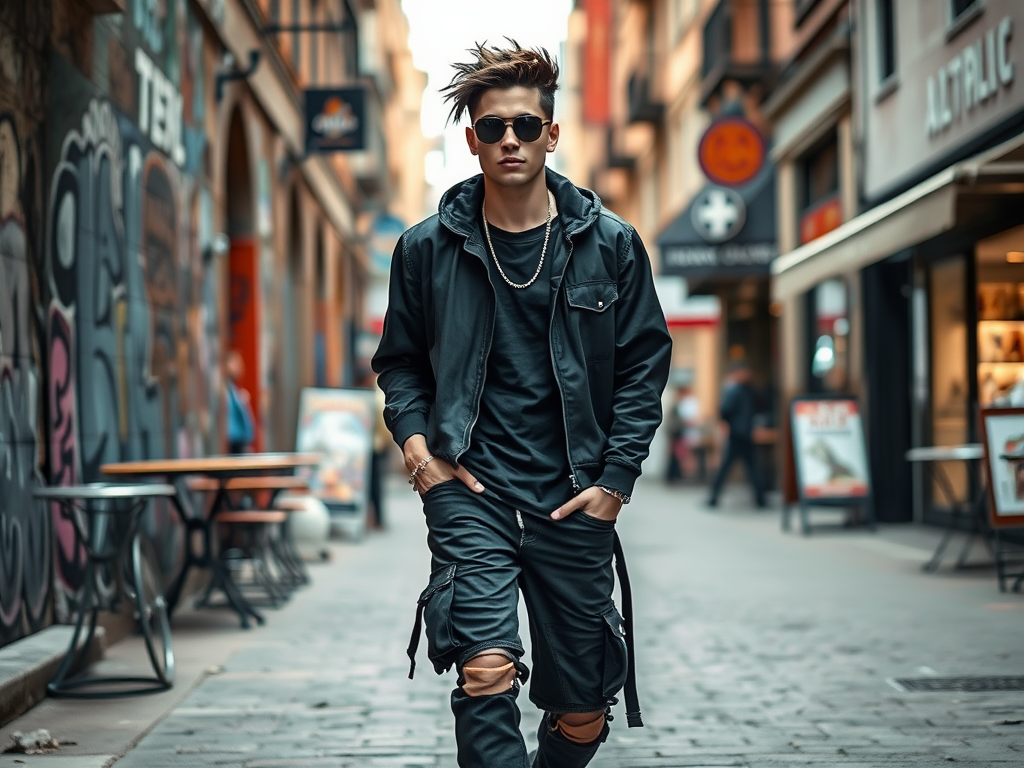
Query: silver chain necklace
[(543, 252)]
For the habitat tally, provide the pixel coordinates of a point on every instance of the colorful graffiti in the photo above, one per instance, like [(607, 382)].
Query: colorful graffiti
[(109, 320), (24, 523)]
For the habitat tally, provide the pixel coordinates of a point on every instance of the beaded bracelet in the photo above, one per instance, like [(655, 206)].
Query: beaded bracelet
[(419, 468)]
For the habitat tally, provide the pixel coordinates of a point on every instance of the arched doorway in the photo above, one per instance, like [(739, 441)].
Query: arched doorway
[(243, 284)]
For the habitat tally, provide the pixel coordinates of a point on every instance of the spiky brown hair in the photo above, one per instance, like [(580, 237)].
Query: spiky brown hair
[(495, 67)]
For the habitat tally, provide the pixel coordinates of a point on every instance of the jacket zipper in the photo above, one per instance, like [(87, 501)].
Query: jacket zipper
[(558, 378), (483, 380)]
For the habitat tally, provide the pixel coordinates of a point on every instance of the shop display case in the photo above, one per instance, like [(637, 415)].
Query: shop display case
[(1000, 342)]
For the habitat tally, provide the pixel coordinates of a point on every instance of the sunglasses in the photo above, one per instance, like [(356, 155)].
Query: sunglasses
[(490, 130)]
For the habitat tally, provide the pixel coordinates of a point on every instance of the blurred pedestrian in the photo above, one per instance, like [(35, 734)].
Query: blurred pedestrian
[(241, 422), (379, 460), (674, 428), (522, 432), (737, 411), (683, 422), (688, 409)]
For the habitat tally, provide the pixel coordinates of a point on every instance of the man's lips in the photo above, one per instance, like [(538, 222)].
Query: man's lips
[(511, 161)]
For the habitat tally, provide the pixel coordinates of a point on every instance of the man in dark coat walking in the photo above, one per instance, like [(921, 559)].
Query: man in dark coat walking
[(737, 411)]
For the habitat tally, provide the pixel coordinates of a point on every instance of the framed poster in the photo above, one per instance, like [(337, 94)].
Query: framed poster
[(1002, 436), (829, 456), (338, 424), (829, 451)]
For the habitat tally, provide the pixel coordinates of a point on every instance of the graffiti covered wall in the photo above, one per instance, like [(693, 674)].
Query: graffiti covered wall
[(109, 328), (25, 531)]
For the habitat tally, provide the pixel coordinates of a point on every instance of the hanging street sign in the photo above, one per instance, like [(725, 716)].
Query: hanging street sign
[(335, 119), (731, 152)]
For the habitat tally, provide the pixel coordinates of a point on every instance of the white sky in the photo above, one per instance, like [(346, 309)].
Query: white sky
[(440, 33)]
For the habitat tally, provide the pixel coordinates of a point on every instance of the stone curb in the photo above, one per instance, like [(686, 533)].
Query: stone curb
[(27, 665)]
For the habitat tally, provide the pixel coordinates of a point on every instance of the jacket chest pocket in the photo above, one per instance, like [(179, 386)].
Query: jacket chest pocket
[(592, 316)]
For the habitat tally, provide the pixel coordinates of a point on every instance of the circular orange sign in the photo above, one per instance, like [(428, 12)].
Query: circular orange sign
[(731, 152)]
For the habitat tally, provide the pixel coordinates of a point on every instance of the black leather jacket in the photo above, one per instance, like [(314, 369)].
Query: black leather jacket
[(610, 347)]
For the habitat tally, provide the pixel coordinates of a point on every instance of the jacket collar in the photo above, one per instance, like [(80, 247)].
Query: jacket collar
[(459, 208)]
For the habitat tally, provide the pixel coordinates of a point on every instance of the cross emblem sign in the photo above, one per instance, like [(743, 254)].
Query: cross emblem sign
[(718, 214)]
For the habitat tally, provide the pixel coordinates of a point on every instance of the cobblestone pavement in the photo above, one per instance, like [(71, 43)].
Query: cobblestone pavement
[(756, 649)]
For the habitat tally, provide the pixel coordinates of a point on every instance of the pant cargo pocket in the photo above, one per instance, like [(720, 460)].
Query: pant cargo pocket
[(616, 660), (436, 605)]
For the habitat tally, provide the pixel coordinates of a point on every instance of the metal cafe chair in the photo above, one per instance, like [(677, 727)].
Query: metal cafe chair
[(106, 519)]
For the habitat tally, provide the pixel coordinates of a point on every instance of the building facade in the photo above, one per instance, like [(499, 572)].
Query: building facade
[(923, 276), (673, 137), (158, 208)]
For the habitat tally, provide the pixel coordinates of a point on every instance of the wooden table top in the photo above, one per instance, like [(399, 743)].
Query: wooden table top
[(248, 483), (213, 465)]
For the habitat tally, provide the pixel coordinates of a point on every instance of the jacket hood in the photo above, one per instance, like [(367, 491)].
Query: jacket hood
[(578, 207)]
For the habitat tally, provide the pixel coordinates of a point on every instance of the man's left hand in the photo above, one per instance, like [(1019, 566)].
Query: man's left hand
[(593, 502)]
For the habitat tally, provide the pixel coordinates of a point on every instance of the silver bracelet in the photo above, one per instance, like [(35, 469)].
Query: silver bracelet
[(419, 468), (623, 498)]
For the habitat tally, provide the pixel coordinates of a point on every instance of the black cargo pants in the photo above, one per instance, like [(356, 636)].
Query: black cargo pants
[(483, 552)]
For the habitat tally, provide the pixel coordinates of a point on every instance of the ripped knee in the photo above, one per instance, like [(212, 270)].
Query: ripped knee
[(580, 727), (489, 673)]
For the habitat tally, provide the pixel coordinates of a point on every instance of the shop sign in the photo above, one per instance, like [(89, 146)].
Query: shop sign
[(1003, 440), (718, 214), (338, 425), (973, 78), (335, 119), (731, 152), (829, 450), (679, 259), (821, 219)]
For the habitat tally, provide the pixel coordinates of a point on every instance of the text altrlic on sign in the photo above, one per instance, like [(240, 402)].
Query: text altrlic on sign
[(972, 78)]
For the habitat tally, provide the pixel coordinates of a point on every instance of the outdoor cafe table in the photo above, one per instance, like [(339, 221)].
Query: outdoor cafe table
[(106, 520), (221, 469), (973, 511)]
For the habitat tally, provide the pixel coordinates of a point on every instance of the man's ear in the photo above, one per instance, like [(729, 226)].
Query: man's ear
[(552, 137), (471, 140)]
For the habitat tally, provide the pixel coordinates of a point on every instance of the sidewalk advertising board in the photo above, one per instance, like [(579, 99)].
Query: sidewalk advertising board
[(1002, 431), (338, 423), (829, 454)]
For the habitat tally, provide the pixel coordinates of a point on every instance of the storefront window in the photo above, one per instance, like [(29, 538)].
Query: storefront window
[(949, 391), (959, 7), (830, 342), (886, 39), (1000, 307), (821, 210)]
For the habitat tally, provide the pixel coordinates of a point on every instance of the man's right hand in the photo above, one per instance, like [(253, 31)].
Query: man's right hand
[(437, 471)]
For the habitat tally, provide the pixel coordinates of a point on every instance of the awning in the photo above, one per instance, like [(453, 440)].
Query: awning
[(954, 197), (723, 233)]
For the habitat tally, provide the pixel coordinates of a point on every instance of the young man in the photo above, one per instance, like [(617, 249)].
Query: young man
[(523, 357)]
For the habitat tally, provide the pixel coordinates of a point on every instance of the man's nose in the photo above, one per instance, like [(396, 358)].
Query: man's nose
[(509, 138)]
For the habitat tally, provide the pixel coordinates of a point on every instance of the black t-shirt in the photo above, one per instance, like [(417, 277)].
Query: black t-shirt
[(517, 448)]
